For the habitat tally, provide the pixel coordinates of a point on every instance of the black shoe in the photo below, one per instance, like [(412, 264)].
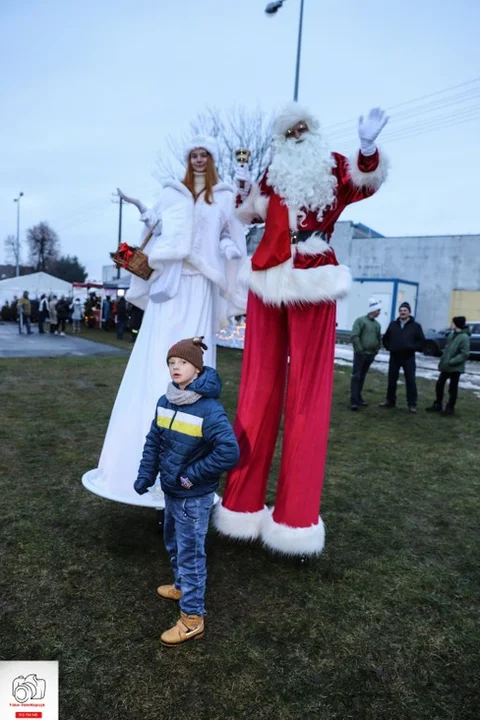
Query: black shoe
[(353, 407), (412, 408), (434, 408), (448, 410), (386, 404)]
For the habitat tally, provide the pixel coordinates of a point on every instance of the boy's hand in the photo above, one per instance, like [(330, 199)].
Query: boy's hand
[(140, 486), (185, 482)]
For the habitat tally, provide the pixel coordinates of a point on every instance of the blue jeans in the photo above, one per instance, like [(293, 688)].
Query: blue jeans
[(184, 531), (24, 322)]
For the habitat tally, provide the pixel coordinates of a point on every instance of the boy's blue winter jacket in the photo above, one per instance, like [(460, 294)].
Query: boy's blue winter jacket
[(195, 440)]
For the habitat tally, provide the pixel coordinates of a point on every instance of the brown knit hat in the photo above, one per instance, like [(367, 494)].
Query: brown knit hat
[(190, 349)]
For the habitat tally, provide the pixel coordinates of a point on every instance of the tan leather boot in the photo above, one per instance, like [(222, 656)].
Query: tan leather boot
[(169, 592), (189, 627)]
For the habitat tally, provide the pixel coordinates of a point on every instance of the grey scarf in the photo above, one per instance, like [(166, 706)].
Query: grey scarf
[(181, 397)]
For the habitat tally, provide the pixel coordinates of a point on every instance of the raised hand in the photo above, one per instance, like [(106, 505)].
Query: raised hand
[(243, 179), (370, 128), (125, 198)]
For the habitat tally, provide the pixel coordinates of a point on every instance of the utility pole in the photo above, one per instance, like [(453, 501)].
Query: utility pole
[(119, 230), (271, 9), (17, 252), (117, 199)]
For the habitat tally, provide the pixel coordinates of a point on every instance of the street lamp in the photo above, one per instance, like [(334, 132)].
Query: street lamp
[(17, 253), (271, 9)]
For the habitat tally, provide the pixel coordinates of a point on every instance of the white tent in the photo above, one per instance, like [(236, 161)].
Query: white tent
[(36, 284)]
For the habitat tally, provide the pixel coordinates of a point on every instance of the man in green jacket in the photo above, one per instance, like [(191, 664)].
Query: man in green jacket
[(452, 365), (366, 340)]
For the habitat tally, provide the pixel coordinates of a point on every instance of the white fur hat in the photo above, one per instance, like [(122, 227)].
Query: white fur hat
[(206, 142), (374, 305), (292, 114)]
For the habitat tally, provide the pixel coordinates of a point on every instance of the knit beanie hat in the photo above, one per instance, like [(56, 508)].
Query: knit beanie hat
[(406, 305), (460, 321), (190, 350), (374, 305)]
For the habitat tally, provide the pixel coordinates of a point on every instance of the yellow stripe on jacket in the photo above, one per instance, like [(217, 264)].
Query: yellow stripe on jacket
[(182, 422)]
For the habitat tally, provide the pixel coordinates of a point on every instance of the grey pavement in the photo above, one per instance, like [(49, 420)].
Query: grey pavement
[(12, 344)]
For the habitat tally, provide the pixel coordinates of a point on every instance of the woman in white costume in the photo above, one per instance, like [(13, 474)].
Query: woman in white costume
[(195, 250)]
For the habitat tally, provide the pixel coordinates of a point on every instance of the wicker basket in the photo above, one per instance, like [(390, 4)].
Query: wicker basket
[(134, 259)]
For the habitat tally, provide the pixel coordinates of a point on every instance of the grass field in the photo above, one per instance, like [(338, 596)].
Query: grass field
[(383, 626)]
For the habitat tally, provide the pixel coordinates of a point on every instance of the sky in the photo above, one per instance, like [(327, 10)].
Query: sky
[(90, 91)]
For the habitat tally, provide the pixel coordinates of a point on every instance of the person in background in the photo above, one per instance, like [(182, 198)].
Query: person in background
[(77, 314), (452, 365), (134, 321), (404, 337), (24, 313), (52, 310), (62, 314), (121, 317), (106, 312), (42, 313), (366, 339)]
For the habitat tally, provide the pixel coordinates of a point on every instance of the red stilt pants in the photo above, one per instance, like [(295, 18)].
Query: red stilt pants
[(306, 333)]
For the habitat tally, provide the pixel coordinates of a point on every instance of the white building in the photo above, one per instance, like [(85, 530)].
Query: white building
[(446, 268)]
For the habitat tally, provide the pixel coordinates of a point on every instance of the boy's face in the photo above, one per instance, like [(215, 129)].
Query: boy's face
[(182, 372)]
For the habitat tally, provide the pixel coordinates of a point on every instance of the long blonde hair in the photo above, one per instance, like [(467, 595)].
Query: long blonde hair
[(211, 179)]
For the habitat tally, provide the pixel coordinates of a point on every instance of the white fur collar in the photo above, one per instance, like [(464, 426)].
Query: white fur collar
[(181, 188)]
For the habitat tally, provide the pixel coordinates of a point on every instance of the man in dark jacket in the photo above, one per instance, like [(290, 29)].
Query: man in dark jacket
[(121, 317), (366, 339), (452, 365), (404, 337)]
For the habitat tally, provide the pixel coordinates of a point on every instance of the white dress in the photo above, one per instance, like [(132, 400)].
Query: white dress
[(194, 311)]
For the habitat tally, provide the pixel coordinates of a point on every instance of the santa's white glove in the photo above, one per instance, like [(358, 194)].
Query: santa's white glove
[(370, 129), (243, 180)]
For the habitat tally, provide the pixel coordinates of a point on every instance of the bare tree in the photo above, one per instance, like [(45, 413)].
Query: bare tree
[(235, 128), (44, 245), (12, 252)]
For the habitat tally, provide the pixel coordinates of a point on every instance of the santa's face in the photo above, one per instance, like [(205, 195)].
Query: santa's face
[(297, 131), (301, 172), (198, 160)]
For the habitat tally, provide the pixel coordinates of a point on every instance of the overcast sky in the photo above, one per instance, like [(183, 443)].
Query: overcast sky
[(90, 90)]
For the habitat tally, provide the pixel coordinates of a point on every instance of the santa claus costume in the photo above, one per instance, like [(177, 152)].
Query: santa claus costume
[(294, 280)]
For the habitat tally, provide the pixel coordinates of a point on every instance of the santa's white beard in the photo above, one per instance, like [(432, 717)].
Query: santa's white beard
[(301, 173)]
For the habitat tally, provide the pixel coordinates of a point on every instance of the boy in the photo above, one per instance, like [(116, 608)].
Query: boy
[(191, 443)]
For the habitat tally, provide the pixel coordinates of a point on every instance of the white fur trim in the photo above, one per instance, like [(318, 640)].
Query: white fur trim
[(314, 245), (293, 218), (287, 285), (292, 114), (254, 206), (369, 180), (291, 540), (238, 525), (206, 142)]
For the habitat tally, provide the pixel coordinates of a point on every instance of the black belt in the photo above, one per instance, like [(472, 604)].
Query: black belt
[(298, 236)]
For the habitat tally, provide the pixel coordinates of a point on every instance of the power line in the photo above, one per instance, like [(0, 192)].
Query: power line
[(409, 102)]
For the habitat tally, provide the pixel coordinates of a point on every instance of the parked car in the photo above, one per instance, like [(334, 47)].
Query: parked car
[(435, 341)]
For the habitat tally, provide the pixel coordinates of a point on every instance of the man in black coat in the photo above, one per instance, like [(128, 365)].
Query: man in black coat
[(404, 337)]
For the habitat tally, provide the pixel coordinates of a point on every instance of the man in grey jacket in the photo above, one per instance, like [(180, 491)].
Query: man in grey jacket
[(366, 340)]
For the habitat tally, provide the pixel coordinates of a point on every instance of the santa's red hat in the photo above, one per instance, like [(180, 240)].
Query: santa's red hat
[(292, 114)]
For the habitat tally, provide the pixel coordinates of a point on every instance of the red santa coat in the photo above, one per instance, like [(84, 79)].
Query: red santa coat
[(282, 273)]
